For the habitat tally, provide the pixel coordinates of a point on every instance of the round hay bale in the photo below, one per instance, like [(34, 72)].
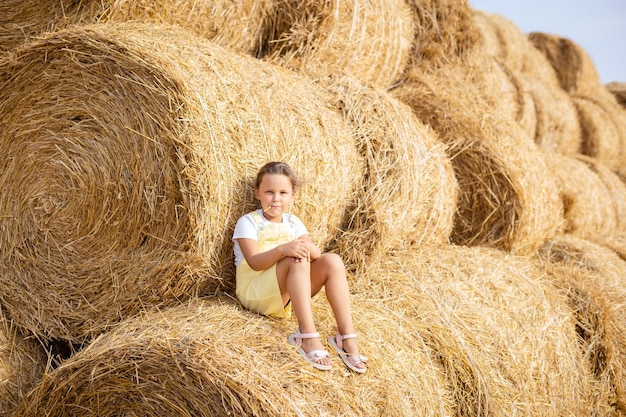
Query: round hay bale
[(20, 20), (369, 40), (618, 89), (593, 278), (510, 95), (601, 137), (22, 364), (129, 151), (444, 32), (558, 128), (574, 68), (503, 334), (211, 358), (237, 25), (506, 199), (589, 208), (408, 190), (504, 40)]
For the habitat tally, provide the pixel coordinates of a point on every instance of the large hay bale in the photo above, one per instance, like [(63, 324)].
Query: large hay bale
[(590, 208), (20, 20), (504, 40), (507, 199), (503, 334), (369, 40), (603, 126), (600, 136), (592, 276), (512, 97), (444, 32), (237, 25), (574, 68), (128, 151), (408, 190), (211, 358), (558, 127), (22, 364)]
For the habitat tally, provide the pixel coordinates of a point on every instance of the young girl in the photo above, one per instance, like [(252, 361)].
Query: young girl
[(278, 266)]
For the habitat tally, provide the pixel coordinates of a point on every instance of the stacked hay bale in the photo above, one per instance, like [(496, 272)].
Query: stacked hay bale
[(370, 41), (407, 196), (502, 332), (593, 277), (507, 199), (210, 357), (236, 25), (472, 330), (554, 123), (602, 119), (128, 151)]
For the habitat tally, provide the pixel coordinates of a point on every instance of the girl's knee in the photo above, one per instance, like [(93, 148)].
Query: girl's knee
[(333, 259)]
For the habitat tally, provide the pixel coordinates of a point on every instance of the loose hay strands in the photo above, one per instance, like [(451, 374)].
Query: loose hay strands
[(593, 278), (504, 335), (408, 190), (22, 364), (210, 358), (574, 68), (369, 40), (589, 206), (507, 199), (128, 154)]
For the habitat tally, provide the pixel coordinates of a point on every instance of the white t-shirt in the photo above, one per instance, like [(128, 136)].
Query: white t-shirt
[(247, 228)]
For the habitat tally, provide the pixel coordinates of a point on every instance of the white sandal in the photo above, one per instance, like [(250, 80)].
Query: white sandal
[(350, 359), (314, 356)]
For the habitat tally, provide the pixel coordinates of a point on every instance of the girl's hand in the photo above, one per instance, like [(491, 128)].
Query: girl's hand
[(299, 249)]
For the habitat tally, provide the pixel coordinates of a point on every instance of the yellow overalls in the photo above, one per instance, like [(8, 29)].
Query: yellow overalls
[(258, 290)]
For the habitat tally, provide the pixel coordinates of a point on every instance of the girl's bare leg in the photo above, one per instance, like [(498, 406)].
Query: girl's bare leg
[(295, 283), (329, 271)]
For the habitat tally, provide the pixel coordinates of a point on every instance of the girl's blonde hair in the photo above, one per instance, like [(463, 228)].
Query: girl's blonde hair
[(277, 168)]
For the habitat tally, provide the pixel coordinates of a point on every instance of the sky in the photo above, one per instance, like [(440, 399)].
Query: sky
[(598, 26)]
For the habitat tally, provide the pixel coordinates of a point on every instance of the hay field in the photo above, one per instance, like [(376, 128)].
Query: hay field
[(471, 176)]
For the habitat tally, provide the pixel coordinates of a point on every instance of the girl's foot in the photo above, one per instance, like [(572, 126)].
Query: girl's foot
[(313, 344), (346, 347), (310, 348)]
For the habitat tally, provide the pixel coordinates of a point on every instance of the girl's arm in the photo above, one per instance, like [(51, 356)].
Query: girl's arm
[(298, 249)]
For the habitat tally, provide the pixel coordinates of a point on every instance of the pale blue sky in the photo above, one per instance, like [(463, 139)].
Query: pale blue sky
[(598, 26)]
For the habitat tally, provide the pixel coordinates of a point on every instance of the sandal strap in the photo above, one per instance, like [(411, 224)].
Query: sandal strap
[(347, 336), (307, 335), (316, 355)]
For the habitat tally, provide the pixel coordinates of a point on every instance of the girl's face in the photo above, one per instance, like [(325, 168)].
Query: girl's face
[(275, 194)]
